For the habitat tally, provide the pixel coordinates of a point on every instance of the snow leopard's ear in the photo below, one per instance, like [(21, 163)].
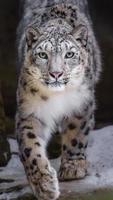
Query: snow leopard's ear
[(80, 33), (32, 35)]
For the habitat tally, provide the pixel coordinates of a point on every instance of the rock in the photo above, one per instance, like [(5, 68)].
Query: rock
[(14, 185), (5, 154), (4, 144), (27, 196), (2, 113)]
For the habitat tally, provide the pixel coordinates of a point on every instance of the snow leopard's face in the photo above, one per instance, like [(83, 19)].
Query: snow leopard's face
[(61, 60)]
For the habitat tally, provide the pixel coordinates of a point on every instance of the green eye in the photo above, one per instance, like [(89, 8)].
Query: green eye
[(69, 54), (43, 55)]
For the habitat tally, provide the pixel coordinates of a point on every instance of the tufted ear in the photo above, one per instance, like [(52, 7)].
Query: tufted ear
[(32, 35), (80, 33)]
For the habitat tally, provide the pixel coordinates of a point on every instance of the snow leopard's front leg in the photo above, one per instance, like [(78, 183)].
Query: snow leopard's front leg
[(74, 143), (32, 138)]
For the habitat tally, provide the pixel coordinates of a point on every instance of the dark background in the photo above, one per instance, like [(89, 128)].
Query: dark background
[(102, 16)]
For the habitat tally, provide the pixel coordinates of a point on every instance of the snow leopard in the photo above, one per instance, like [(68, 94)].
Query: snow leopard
[(59, 64)]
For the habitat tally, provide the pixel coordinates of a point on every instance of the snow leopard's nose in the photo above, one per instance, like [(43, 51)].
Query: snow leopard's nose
[(56, 75)]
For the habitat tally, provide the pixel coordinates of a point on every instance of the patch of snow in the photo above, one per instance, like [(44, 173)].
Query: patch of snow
[(13, 145)]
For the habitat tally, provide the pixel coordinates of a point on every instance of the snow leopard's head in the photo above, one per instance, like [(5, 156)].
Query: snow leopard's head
[(59, 54)]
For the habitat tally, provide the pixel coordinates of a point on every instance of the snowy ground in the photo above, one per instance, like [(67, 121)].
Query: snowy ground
[(13, 181)]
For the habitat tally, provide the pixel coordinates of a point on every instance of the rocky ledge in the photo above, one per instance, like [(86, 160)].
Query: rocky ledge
[(14, 185)]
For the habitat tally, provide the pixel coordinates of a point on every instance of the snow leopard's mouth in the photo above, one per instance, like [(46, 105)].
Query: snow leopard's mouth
[(56, 83), (56, 86)]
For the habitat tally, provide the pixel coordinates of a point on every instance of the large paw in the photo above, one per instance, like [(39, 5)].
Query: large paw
[(72, 169), (45, 184)]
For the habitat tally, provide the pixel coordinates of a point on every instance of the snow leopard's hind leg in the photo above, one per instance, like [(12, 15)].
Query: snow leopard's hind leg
[(74, 143)]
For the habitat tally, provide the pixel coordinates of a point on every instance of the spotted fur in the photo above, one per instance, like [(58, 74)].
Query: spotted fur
[(59, 64)]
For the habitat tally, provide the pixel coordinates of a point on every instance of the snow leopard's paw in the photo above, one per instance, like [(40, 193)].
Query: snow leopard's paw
[(72, 169)]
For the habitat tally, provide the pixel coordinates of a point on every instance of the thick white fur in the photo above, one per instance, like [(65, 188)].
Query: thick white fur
[(58, 105), (63, 104)]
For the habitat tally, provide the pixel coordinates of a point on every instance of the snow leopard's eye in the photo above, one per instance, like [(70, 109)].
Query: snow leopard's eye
[(43, 55), (69, 54)]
